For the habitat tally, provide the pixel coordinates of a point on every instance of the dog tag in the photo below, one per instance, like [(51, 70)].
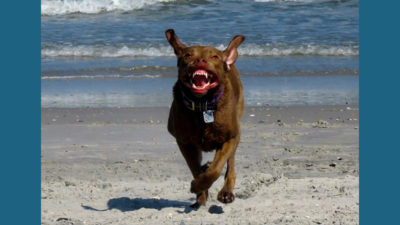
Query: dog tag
[(208, 116)]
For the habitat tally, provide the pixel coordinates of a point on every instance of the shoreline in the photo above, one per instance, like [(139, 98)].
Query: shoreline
[(290, 114)]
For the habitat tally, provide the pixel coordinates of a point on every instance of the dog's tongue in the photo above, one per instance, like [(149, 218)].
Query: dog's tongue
[(200, 80)]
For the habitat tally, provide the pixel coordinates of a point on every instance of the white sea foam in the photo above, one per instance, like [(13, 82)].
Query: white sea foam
[(60, 7), (107, 51), (162, 51), (268, 50), (100, 77), (305, 1)]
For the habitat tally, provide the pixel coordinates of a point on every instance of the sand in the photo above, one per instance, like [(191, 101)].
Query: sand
[(295, 165)]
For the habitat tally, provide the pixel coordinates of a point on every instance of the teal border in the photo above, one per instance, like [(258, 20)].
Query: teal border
[(20, 112), (379, 122), (379, 112)]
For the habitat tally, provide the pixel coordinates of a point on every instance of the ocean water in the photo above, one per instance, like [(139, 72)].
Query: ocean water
[(109, 53)]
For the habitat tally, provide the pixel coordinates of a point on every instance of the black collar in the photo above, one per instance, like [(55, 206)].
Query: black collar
[(200, 106)]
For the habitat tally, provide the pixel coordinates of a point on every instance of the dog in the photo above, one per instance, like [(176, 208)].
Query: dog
[(205, 113)]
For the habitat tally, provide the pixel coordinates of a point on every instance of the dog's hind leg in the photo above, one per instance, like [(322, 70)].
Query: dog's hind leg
[(193, 158), (225, 195)]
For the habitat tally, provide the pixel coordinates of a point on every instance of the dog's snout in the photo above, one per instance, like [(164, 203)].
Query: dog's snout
[(201, 62)]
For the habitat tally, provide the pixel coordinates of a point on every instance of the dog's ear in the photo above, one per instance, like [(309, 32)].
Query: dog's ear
[(230, 53), (174, 41)]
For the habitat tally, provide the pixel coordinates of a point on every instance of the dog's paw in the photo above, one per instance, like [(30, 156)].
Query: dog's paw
[(201, 200), (199, 185), (225, 196), (203, 182), (195, 205)]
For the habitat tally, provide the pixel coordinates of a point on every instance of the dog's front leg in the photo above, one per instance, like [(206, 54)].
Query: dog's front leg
[(205, 180), (225, 195), (193, 158)]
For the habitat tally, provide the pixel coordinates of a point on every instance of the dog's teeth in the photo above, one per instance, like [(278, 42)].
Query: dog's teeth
[(200, 74)]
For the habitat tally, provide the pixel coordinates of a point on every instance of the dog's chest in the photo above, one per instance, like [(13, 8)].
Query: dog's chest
[(211, 136)]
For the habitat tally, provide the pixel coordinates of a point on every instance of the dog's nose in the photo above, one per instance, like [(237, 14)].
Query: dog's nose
[(201, 62)]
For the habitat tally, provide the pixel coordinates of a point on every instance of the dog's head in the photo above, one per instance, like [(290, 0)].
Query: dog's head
[(203, 68)]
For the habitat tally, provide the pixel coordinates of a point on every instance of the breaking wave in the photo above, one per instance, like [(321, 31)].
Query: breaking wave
[(100, 77), (251, 50), (61, 7)]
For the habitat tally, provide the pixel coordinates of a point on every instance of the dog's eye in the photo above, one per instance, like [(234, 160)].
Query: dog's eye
[(187, 56), (214, 57)]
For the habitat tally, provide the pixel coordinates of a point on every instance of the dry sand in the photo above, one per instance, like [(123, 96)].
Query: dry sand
[(295, 165)]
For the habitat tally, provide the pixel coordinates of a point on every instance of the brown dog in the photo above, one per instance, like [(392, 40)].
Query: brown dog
[(205, 113)]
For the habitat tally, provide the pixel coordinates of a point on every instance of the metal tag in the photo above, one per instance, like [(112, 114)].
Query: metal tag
[(208, 116)]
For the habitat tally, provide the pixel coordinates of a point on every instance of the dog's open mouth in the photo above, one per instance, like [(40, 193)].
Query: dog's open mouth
[(202, 80)]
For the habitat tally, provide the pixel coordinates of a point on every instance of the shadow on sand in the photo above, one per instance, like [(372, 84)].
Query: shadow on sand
[(125, 204)]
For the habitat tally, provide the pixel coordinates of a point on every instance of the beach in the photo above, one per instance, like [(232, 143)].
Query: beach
[(294, 164), (107, 73)]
